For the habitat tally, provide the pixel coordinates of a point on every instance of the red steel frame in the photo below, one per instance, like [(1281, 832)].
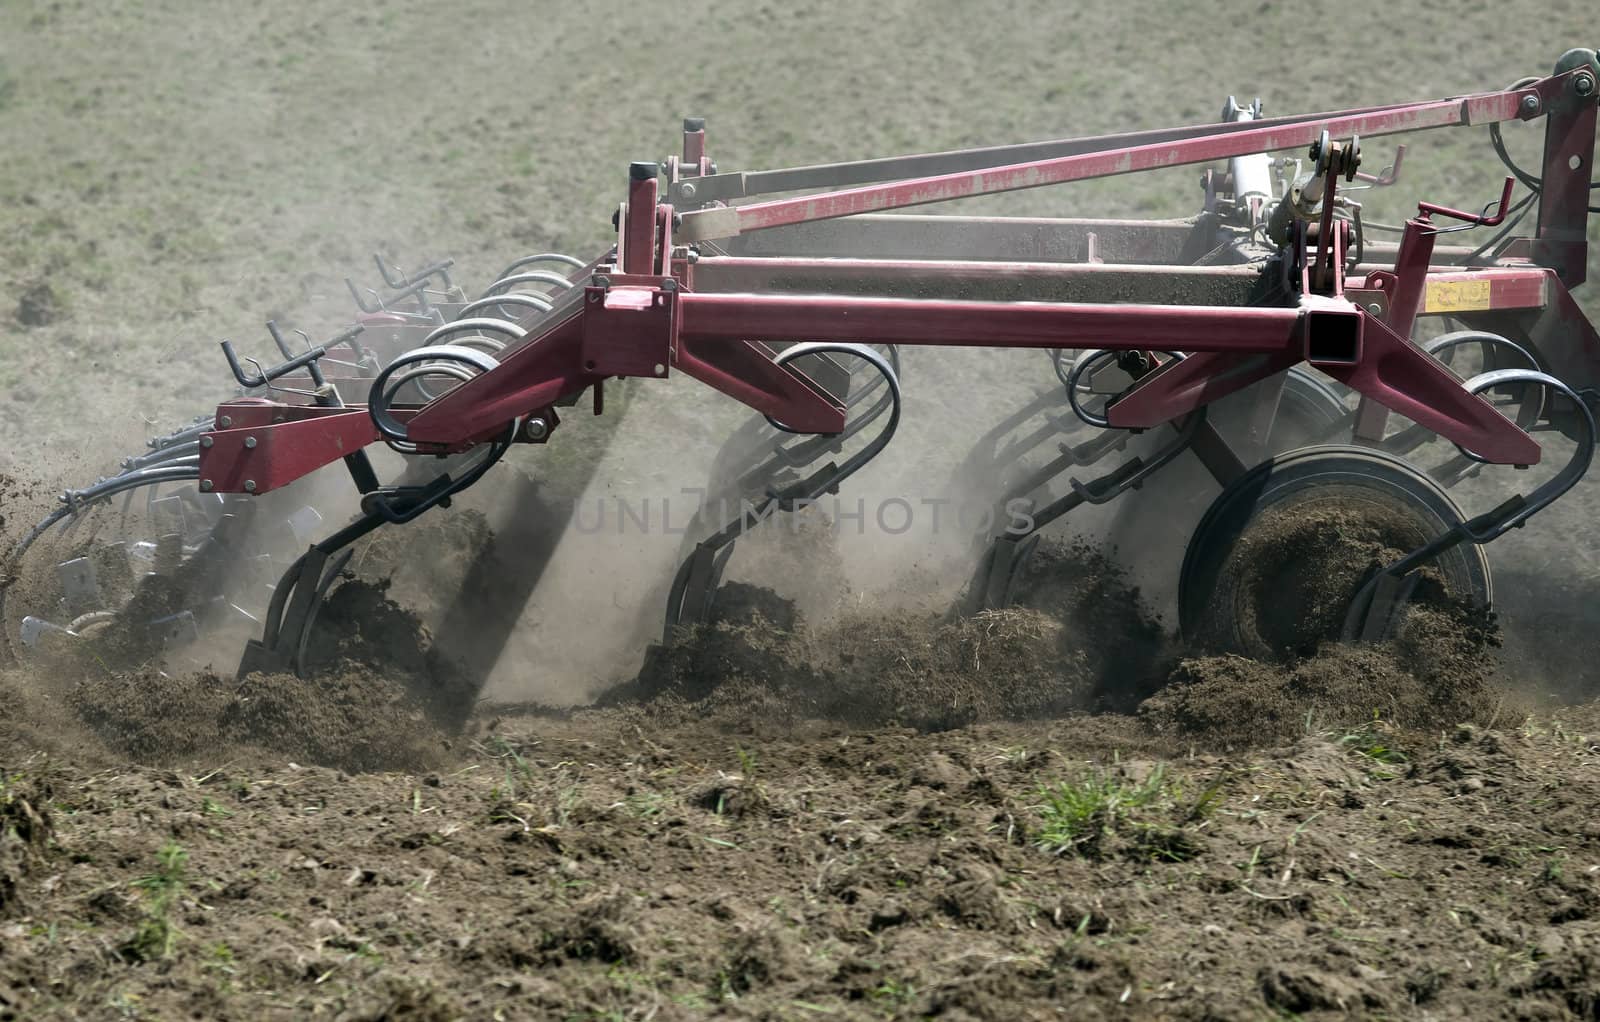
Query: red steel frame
[(663, 309)]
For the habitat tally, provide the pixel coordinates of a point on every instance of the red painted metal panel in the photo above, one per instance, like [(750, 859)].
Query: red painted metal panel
[(1179, 387), (627, 331), (267, 456), (746, 372), (1396, 374)]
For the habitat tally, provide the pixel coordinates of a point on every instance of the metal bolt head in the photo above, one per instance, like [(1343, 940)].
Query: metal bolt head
[(249, 486), (661, 370), (249, 441), (206, 441), (1584, 85), (535, 429), (688, 189), (225, 421), (1374, 308), (206, 485)]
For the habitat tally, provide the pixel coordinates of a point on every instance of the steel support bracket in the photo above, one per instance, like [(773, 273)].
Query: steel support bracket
[(630, 327)]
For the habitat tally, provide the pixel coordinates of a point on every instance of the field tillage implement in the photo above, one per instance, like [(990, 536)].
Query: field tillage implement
[(1274, 336)]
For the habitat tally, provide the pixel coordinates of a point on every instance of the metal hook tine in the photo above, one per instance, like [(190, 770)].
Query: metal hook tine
[(266, 382), (307, 338), (277, 338), (383, 271), (261, 373)]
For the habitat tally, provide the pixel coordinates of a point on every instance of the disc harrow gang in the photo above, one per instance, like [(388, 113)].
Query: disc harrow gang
[(1270, 338)]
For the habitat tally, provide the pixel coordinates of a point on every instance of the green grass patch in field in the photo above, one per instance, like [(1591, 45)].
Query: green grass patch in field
[(1103, 812)]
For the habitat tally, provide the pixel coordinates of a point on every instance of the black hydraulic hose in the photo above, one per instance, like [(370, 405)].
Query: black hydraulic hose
[(1534, 184)]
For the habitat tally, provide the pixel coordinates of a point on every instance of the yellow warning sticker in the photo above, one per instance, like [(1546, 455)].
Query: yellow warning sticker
[(1456, 296)]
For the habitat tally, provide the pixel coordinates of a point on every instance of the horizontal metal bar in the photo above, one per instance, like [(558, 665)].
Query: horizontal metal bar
[(731, 221), (741, 184), (738, 317), (981, 280), (920, 236)]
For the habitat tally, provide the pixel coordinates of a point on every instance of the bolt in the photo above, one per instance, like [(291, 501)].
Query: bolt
[(535, 429), (225, 421), (1584, 85), (1375, 308), (1530, 105), (688, 190), (205, 486), (661, 370), (249, 441), (206, 441), (249, 486)]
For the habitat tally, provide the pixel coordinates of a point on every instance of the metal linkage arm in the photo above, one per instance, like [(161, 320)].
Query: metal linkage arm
[(742, 184), (1192, 147)]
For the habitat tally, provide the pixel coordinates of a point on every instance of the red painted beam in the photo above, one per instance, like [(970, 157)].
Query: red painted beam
[(1481, 108), (729, 317)]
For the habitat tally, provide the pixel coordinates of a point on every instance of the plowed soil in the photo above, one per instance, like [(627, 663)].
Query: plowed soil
[(887, 815)]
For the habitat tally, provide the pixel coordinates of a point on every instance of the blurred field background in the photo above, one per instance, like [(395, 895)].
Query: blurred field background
[(173, 173)]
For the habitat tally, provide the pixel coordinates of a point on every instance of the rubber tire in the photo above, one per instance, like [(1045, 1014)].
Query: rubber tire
[(1300, 478)]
